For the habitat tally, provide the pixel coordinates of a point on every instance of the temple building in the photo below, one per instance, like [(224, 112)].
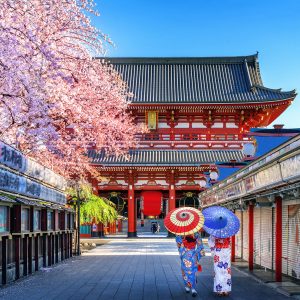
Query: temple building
[(198, 112)]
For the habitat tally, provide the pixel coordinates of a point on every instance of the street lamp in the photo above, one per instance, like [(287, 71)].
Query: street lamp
[(249, 149), (202, 182), (214, 175)]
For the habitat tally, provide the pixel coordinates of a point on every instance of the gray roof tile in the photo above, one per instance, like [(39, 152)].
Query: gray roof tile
[(166, 157), (196, 80)]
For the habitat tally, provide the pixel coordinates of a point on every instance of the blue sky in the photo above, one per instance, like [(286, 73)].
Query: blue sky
[(146, 28)]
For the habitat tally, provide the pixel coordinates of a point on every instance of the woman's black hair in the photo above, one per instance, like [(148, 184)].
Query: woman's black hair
[(190, 238)]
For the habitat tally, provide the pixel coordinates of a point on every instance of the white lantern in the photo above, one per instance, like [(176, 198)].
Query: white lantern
[(202, 182), (249, 149), (214, 175)]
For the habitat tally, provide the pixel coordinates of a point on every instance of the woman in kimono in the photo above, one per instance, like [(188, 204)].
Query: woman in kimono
[(190, 249), (221, 252)]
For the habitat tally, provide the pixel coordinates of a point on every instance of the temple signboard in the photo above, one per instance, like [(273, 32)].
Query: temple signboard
[(17, 184), (14, 159)]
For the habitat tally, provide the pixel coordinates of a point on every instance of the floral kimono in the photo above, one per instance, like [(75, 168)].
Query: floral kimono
[(221, 252), (189, 248)]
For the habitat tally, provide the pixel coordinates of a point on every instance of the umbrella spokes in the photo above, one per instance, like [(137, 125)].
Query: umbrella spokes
[(184, 220), (220, 222), (216, 222)]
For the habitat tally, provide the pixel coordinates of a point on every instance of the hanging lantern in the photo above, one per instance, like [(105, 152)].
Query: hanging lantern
[(202, 182), (152, 203), (249, 149), (118, 201), (214, 175)]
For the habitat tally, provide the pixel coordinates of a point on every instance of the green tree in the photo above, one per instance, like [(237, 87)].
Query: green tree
[(93, 209)]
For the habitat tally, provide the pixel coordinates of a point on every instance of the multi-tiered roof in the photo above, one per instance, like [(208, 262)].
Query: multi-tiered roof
[(202, 83)]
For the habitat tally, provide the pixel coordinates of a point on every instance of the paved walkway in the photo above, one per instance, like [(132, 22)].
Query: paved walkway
[(129, 269)]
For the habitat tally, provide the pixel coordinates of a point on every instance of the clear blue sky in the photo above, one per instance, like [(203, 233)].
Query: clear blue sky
[(212, 28)]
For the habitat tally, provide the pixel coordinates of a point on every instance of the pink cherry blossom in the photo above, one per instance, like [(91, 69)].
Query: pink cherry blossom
[(56, 99)]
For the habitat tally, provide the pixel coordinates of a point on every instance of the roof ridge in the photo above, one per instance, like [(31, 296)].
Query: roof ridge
[(182, 60), (248, 77), (182, 150)]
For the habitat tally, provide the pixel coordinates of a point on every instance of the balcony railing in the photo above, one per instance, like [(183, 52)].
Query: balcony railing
[(190, 137)]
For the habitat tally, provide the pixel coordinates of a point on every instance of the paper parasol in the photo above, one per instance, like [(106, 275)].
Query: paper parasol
[(220, 222), (184, 220)]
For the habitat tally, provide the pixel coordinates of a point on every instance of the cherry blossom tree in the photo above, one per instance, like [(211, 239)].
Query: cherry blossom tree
[(55, 98)]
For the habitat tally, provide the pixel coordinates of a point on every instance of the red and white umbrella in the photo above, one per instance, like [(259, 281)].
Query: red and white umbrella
[(184, 220)]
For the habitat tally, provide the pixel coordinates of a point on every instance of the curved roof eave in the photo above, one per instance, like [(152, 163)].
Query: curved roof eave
[(266, 101)]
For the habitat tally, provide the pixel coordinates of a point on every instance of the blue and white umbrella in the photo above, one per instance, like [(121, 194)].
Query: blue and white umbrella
[(220, 222)]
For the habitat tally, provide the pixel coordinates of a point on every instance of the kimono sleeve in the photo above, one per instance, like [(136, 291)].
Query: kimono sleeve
[(178, 240), (199, 247)]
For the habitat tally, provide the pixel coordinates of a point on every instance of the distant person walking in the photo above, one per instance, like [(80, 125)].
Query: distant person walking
[(153, 227), (158, 228)]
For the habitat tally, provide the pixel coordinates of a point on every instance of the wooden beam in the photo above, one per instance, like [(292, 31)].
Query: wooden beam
[(17, 256), (4, 260), (36, 252), (278, 240), (25, 255)]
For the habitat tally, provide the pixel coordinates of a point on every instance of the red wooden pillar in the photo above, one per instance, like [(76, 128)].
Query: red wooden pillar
[(100, 229), (233, 248), (251, 235), (172, 192), (112, 226), (95, 186), (131, 212), (120, 225), (278, 240)]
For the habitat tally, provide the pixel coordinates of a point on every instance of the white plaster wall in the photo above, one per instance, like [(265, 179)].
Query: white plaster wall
[(198, 125), (231, 125), (163, 125), (182, 125)]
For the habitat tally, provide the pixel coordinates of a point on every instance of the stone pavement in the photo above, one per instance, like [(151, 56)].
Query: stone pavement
[(137, 269)]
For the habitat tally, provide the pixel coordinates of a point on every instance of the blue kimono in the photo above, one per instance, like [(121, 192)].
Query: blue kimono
[(190, 254)]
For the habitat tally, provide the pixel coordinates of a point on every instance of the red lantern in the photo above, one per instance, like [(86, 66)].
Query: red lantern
[(152, 201)]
